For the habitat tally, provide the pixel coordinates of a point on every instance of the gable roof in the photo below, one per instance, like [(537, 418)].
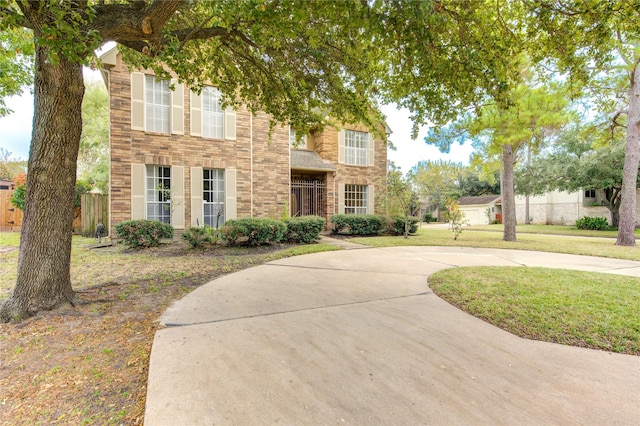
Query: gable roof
[(309, 160), (482, 199)]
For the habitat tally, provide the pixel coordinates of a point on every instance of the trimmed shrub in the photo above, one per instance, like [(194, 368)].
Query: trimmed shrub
[(396, 225), (198, 237), (593, 223), (143, 233), (357, 224), (304, 229), (253, 231), (428, 217)]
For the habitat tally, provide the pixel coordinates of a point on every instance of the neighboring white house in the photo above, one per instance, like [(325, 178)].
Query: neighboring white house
[(481, 210), (562, 208)]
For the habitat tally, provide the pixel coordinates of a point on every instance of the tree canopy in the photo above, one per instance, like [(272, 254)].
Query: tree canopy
[(597, 44), (305, 63)]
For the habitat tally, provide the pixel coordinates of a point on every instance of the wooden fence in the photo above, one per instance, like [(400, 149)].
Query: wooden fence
[(94, 209), (10, 216)]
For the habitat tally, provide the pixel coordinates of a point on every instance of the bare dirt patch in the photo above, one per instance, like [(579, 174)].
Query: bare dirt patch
[(88, 364)]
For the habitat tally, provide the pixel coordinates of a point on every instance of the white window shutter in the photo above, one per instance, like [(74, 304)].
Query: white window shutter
[(197, 216), (371, 209), (196, 114), (177, 108), (341, 147), (137, 101), (138, 203), (341, 198), (230, 204), (371, 147), (230, 124), (177, 197)]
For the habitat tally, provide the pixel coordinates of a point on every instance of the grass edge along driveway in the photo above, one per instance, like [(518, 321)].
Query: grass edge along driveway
[(585, 309)]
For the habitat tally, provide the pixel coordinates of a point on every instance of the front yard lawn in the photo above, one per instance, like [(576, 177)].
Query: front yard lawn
[(586, 309)]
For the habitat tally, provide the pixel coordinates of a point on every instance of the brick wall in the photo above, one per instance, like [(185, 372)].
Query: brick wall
[(264, 159), (326, 145)]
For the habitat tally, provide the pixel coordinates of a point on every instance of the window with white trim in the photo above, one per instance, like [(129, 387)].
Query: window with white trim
[(157, 105), (212, 113), (213, 196), (293, 143), (356, 145), (355, 199), (159, 193)]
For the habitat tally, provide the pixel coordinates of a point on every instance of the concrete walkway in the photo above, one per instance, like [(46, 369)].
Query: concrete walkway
[(357, 337)]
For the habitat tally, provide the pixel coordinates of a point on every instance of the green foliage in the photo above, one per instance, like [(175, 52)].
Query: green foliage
[(455, 217), (16, 63), (17, 198), (93, 156), (143, 233), (253, 231), (357, 224), (10, 167), (428, 217), (593, 223), (82, 187), (304, 229), (402, 225), (200, 237)]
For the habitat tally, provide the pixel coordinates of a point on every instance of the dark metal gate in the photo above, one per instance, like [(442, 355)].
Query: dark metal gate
[(308, 197)]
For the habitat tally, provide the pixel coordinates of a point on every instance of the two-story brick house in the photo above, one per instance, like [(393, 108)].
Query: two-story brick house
[(176, 156)]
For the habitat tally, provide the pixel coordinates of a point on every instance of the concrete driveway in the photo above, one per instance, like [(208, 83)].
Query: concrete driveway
[(357, 337)]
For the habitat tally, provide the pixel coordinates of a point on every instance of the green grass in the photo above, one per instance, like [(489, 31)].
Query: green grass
[(432, 236), (585, 309), (551, 230), (9, 239), (90, 267)]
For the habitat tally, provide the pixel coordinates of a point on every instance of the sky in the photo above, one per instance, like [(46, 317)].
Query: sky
[(15, 135)]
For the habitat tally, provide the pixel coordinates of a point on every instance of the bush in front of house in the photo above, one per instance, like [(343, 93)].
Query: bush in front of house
[(428, 217), (143, 233), (304, 229), (253, 231), (592, 223), (357, 224), (198, 237), (396, 225)]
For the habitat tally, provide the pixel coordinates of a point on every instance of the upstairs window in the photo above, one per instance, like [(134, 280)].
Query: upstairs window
[(157, 105), (293, 143), (212, 113), (356, 147)]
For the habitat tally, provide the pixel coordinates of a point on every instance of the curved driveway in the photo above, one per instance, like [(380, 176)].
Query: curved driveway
[(357, 337)]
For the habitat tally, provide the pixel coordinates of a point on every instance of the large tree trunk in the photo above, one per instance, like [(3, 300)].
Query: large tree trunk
[(44, 280), (627, 224), (508, 194)]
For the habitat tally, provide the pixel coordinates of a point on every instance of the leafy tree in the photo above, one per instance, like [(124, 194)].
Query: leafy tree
[(402, 197), (93, 155), (455, 217), (289, 59), (435, 181), (578, 163), (536, 111), (16, 54), (10, 167), (297, 61), (597, 43)]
